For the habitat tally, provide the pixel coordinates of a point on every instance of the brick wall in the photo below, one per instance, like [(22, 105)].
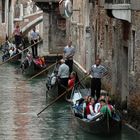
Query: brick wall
[(111, 42)]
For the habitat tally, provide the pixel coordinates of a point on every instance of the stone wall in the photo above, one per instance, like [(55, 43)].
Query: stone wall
[(117, 43), (111, 40), (3, 33)]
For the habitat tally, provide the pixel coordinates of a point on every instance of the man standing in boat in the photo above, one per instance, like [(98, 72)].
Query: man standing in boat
[(17, 35), (97, 72), (34, 39), (63, 76), (69, 52)]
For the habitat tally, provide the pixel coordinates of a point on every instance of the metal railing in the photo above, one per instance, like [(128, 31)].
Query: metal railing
[(118, 1)]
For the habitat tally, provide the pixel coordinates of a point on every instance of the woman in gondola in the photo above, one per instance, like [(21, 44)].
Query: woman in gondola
[(90, 109)]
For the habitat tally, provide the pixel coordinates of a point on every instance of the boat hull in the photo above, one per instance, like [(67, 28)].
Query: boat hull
[(102, 127), (102, 124)]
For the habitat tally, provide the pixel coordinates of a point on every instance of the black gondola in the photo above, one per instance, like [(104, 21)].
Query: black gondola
[(102, 123), (33, 68)]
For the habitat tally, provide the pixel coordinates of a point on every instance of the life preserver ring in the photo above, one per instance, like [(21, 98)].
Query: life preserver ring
[(65, 7)]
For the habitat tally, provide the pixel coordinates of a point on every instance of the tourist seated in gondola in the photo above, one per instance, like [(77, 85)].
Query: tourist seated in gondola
[(78, 104), (90, 109), (5, 55), (39, 61), (13, 50), (71, 81), (5, 50), (98, 104), (85, 103), (103, 106)]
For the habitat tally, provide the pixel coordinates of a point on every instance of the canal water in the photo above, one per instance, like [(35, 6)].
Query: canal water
[(21, 100)]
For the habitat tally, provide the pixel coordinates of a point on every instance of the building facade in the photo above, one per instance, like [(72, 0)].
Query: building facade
[(6, 18), (110, 30), (22, 12)]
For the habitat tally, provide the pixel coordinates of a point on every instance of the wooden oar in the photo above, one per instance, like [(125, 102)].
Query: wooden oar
[(61, 95), (19, 53)]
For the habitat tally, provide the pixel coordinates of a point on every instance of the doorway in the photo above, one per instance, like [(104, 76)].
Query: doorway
[(125, 91)]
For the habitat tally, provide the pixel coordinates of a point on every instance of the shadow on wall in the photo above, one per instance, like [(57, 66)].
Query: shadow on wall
[(2, 39), (134, 110)]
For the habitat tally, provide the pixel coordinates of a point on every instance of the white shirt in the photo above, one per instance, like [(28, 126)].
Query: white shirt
[(97, 107), (69, 51), (91, 110), (63, 71)]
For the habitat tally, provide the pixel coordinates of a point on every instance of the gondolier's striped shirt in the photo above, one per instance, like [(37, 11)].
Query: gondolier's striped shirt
[(98, 71)]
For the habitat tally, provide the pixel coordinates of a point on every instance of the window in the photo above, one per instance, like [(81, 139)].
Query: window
[(3, 11)]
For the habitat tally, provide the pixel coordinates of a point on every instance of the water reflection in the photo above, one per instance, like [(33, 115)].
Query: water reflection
[(20, 102)]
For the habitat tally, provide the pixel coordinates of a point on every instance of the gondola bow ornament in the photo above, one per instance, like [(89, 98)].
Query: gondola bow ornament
[(65, 7)]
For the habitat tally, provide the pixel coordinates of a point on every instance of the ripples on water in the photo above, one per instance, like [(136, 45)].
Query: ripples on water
[(20, 102)]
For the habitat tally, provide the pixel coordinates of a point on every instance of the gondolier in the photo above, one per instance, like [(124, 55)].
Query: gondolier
[(17, 35), (69, 52), (63, 76), (97, 71), (34, 39)]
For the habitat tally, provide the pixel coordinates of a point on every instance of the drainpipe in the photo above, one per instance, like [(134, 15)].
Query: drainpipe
[(7, 16)]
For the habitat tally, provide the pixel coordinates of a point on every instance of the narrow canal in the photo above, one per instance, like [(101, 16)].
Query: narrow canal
[(20, 102)]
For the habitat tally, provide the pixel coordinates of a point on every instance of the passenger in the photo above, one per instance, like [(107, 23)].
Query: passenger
[(5, 50), (108, 101), (104, 108), (71, 81), (43, 61), (38, 61), (5, 55), (98, 104), (84, 106), (89, 108), (12, 51)]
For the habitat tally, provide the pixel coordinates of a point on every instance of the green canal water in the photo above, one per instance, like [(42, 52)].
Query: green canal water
[(20, 101)]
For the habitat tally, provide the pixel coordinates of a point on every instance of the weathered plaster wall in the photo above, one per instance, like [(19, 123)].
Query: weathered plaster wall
[(117, 43), (111, 40)]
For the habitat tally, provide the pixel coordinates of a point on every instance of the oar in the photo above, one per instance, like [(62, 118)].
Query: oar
[(42, 71), (61, 95), (19, 53)]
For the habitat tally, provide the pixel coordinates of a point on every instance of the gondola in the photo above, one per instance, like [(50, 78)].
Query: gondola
[(102, 124), (53, 86), (16, 59), (52, 83), (34, 68)]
